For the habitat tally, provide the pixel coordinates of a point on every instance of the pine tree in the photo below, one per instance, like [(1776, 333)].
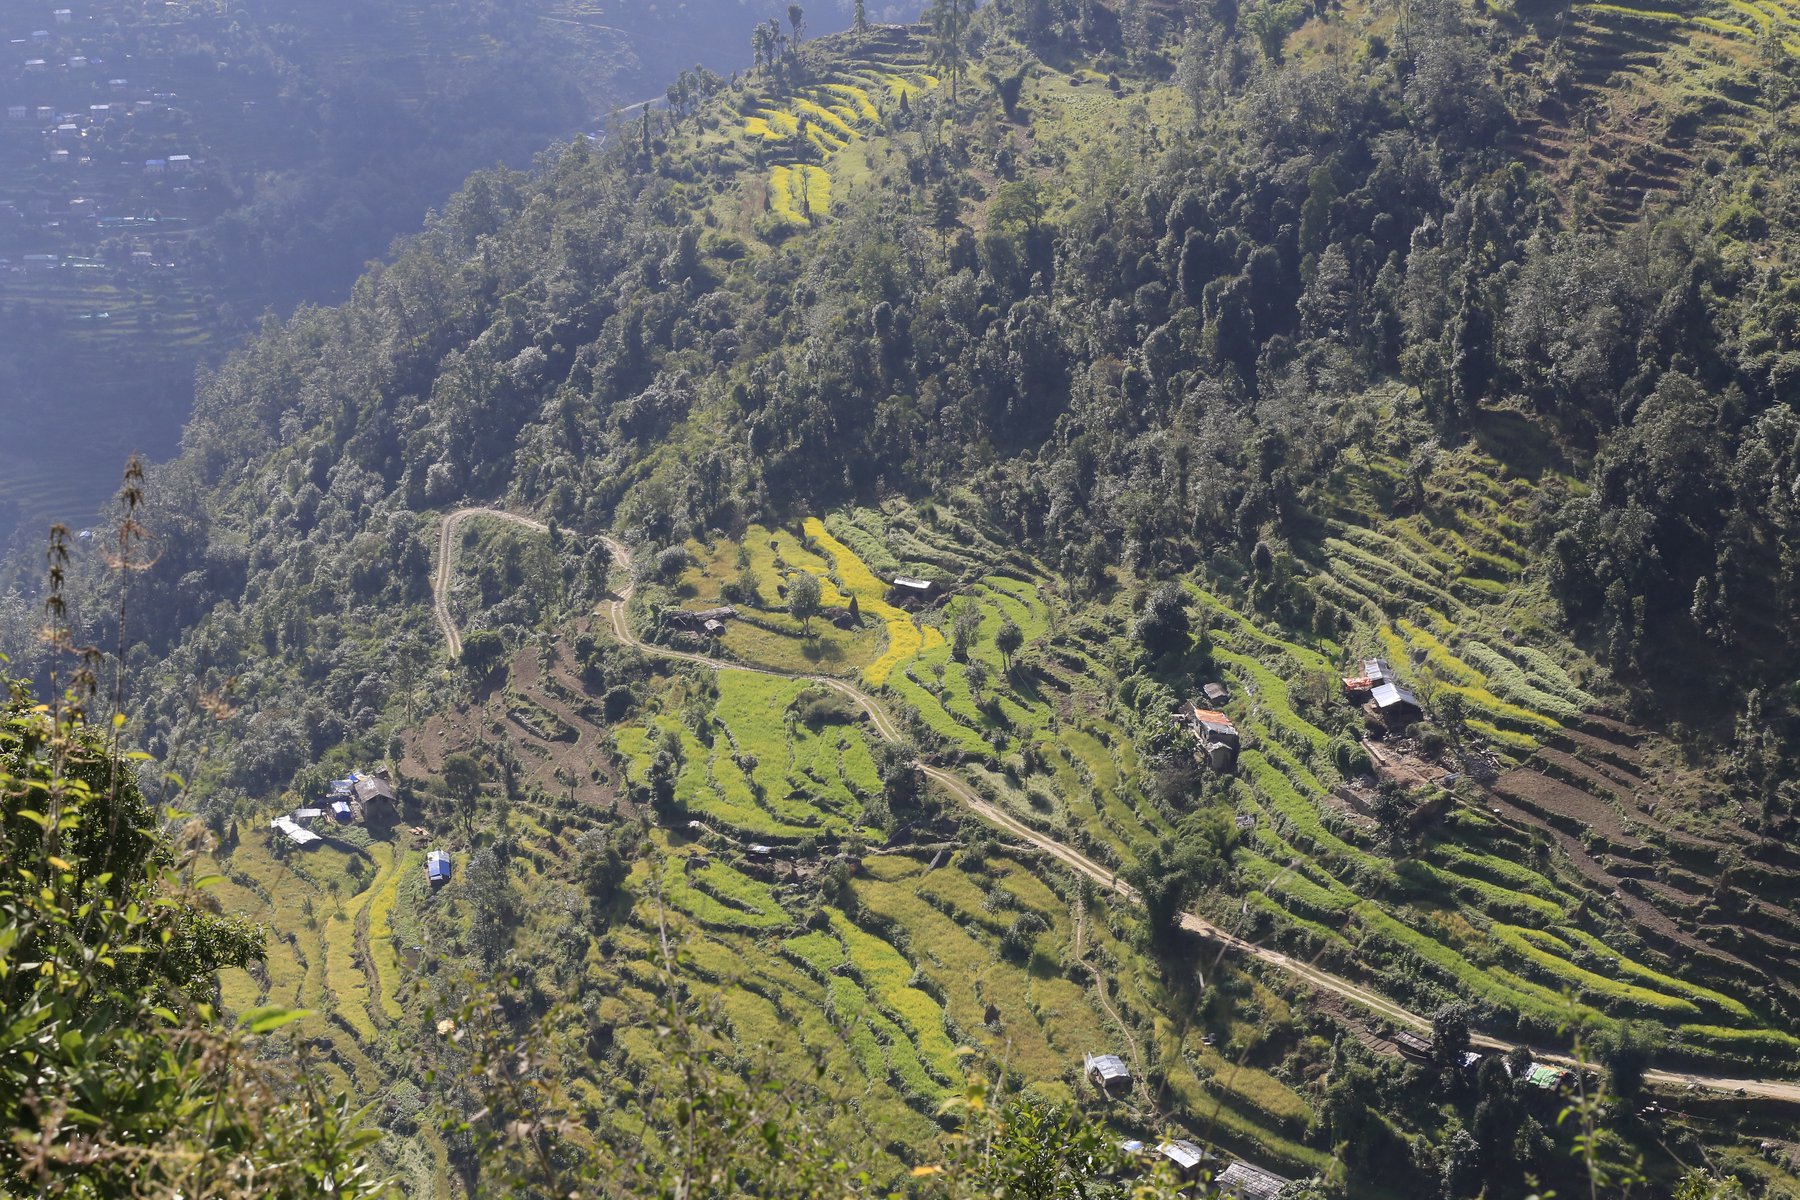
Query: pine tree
[(949, 28)]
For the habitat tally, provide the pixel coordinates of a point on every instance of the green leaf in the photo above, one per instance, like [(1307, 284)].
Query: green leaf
[(267, 1020)]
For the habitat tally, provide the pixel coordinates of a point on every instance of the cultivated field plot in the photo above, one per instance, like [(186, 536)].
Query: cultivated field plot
[(1484, 905), (803, 131)]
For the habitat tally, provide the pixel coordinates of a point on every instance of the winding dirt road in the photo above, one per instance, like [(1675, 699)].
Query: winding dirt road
[(446, 563), (884, 724)]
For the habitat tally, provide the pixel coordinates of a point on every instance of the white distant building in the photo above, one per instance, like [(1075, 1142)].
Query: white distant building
[(40, 35), (63, 16), (59, 156), (78, 62), (17, 112), (293, 832), (180, 162), (34, 64), (155, 166), (46, 113)]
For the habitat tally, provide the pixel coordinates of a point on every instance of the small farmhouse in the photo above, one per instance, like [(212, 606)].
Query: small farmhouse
[(702, 619), (1246, 1182), (1415, 1047), (369, 789), (437, 867), (1214, 693), (1188, 1158), (1217, 736), (1109, 1074), (1397, 705)]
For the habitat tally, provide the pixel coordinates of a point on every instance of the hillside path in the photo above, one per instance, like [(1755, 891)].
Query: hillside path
[(446, 564), (884, 724)]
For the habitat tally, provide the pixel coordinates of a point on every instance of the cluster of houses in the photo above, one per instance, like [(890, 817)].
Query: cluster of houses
[(346, 800), (1111, 1078), (1537, 1077), (1383, 696), (1230, 1177), (64, 108)]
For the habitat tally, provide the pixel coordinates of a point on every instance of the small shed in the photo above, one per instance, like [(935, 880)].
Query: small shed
[(62, 16), (702, 618), (34, 64), (1415, 1047), (714, 627), (18, 112), (180, 162), (911, 587), (305, 816), (1248, 1182), (340, 811), (155, 166), (437, 867), (294, 833), (1188, 1158), (46, 113), (1376, 671), (1214, 693), (1396, 704), (758, 850), (1109, 1074)]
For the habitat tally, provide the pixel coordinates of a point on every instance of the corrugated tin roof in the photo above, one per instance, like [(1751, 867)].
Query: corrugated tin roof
[(1252, 1183), (1386, 695), (295, 834), (1183, 1154), (1110, 1066)]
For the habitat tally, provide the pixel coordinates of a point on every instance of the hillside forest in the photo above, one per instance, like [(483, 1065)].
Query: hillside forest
[(1069, 598), (169, 174)]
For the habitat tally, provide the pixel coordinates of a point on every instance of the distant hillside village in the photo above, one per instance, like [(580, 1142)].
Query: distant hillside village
[(97, 156), (357, 799)]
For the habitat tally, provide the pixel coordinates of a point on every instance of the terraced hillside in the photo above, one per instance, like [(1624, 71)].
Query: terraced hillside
[(1644, 93), (819, 917)]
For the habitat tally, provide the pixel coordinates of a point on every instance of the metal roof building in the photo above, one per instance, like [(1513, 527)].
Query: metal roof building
[(437, 866), (1391, 696), (1108, 1073), (295, 834), (1241, 1179), (1187, 1157)]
